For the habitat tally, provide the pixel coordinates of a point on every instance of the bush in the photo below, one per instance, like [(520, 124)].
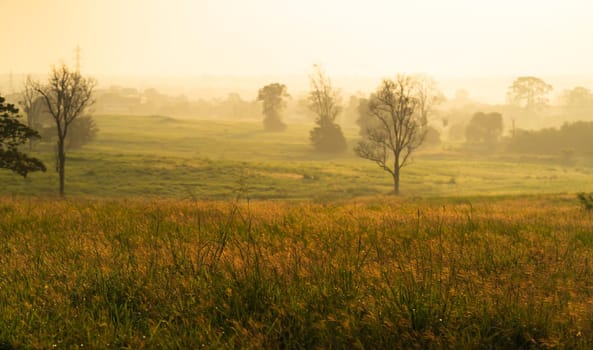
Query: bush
[(586, 200), (328, 139), (484, 128)]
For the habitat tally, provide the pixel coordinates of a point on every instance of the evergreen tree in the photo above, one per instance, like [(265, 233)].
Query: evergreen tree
[(13, 134)]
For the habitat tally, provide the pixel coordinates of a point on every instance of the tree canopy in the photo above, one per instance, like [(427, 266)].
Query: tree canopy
[(578, 103), (529, 93), (484, 128), (273, 97)]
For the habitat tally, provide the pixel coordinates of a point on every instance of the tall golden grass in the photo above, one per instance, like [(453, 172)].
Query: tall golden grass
[(371, 273)]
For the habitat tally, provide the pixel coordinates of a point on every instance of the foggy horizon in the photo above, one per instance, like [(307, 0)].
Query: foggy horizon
[(489, 89), (266, 38)]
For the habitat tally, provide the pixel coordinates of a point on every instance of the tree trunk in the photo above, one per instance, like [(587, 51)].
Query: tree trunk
[(396, 176), (61, 165)]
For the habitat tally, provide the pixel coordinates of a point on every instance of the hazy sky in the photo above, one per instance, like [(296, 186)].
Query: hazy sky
[(253, 37)]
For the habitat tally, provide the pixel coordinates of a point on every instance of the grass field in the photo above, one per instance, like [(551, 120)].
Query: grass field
[(181, 158), (491, 273), (185, 234)]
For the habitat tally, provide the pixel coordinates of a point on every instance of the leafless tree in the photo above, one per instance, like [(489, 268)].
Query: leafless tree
[(67, 95), (427, 93), (27, 101), (325, 103), (399, 126)]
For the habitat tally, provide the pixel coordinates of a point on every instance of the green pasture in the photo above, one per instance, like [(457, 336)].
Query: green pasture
[(207, 159)]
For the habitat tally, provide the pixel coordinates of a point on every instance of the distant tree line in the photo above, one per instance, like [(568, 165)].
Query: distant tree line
[(127, 101), (571, 137)]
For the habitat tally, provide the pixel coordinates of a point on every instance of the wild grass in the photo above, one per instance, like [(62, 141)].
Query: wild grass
[(497, 273)]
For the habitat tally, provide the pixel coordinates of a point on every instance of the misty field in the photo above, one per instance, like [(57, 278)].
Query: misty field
[(385, 272), (205, 159)]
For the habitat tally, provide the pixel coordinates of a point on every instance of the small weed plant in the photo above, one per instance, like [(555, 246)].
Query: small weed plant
[(586, 200)]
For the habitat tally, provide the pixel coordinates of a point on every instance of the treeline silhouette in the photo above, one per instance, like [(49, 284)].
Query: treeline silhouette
[(569, 138)]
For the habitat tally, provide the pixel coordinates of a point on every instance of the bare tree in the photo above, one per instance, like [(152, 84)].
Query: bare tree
[(427, 93), (27, 101), (325, 102), (398, 129), (67, 95)]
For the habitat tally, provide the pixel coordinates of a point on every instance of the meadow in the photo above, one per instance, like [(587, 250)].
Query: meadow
[(160, 156), (185, 234)]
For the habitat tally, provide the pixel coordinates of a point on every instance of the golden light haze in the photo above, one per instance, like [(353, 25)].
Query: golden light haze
[(272, 37)]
